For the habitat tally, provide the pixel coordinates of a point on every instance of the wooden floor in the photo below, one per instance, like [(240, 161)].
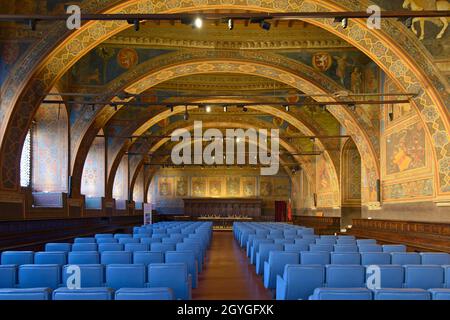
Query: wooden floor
[(227, 273)]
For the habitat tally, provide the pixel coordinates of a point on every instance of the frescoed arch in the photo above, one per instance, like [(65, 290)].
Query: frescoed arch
[(412, 70)]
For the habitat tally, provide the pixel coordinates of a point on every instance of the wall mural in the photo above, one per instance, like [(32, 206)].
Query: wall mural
[(182, 187), (405, 149), (416, 190), (165, 187), (120, 187), (50, 150), (93, 179)]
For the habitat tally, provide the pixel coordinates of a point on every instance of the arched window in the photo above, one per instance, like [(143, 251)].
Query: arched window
[(25, 162)]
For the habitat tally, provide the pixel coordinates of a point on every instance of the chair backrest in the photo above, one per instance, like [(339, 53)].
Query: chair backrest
[(8, 276), (438, 258), (370, 248), (116, 257), (84, 240), (136, 247), (345, 258), (403, 258), (265, 248), (170, 275), (83, 294), (346, 241), (391, 276), (317, 258), (279, 259), (301, 280), (330, 237), (125, 276), (325, 241), (128, 240), (66, 247), (147, 257), (321, 247), (103, 235), (83, 257), (144, 294), (305, 231), (345, 276), (296, 247), (162, 247), (102, 247), (84, 247), (401, 294), (52, 257), (39, 276), (17, 257), (440, 294), (377, 258), (365, 241), (106, 240), (345, 248), (26, 294), (306, 241), (424, 276), (149, 241), (92, 275), (171, 240), (122, 236), (342, 294), (394, 248), (447, 276)]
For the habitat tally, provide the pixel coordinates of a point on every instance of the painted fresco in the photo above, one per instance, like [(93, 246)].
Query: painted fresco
[(198, 187), (266, 187), (50, 150), (249, 186), (405, 149), (281, 187), (345, 67), (416, 190), (165, 187), (233, 186), (323, 176), (215, 187), (120, 187), (93, 179), (181, 188), (106, 63)]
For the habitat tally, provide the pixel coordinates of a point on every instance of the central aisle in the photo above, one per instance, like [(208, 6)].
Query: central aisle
[(227, 273)]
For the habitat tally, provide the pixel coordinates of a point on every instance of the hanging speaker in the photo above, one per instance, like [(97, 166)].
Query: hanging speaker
[(378, 190), (315, 199)]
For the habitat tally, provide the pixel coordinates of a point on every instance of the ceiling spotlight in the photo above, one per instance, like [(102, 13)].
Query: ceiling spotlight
[(342, 21), (230, 24), (171, 108), (352, 107), (198, 23), (286, 107), (312, 139), (224, 108), (244, 109), (324, 107), (265, 25), (136, 24), (208, 108)]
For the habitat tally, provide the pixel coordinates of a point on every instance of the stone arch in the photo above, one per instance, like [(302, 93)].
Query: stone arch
[(22, 96), (283, 143), (244, 59)]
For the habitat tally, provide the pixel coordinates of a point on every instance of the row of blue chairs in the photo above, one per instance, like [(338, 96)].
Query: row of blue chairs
[(119, 262), (299, 281), (379, 294), (115, 257), (294, 268), (88, 294)]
